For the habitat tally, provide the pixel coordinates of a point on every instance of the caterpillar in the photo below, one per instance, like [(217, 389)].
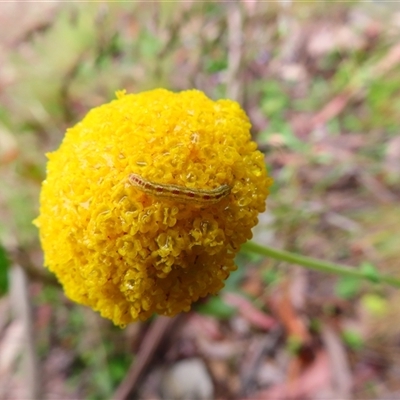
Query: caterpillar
[(180, 193)]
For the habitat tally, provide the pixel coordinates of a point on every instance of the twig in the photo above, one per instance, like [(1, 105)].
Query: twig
[(235, 46), (338, 360), (21, 305), (262, 347), (151, 343)]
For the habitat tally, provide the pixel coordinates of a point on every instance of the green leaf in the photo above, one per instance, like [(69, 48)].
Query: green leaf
[(270, 276), (353, 339), (375, 304), (293, 344), (118, 367), (370, 272), (216, 307), (4, 265), (347, 287), (149, 45), (216, 65)]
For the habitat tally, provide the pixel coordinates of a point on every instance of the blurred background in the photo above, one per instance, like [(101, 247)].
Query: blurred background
[(320, 81)]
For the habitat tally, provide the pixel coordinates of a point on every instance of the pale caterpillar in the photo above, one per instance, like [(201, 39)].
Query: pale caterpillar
[(180, 193)]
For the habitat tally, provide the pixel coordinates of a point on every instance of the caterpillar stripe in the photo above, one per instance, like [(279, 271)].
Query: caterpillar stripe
[(180, 193)]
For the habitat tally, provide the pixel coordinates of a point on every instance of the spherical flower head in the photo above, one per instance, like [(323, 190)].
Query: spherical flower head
[(147, 201)]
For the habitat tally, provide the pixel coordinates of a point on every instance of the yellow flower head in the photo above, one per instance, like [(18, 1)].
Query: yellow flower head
[(147, 201)]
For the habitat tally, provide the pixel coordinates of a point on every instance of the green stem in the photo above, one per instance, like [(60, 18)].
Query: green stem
[(320, 265)]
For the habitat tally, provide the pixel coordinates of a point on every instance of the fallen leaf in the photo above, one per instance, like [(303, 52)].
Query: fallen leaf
[(249, 311), (314, 379)]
